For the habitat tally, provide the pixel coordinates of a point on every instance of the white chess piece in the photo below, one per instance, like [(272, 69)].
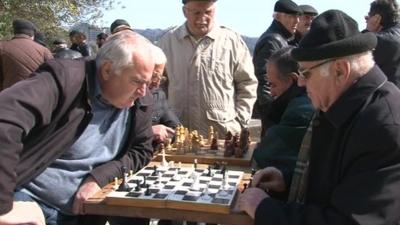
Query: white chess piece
[(196, 183), (206, 195), (164, 162)]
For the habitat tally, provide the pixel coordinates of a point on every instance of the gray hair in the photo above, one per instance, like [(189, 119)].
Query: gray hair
[(119, 49), (159, 56)]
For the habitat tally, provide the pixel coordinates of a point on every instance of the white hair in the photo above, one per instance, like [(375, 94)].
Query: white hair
[(119, 49), (360, 64), (159, 56)]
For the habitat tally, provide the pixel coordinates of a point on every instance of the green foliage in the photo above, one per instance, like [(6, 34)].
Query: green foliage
[(50, 16)]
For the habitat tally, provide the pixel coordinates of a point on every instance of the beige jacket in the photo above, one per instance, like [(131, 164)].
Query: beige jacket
[(211, 82)]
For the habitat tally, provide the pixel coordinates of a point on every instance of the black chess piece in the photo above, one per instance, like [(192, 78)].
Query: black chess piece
[(137, 188), (217, 166), (253, 171), (143, 185), (209, 171), (124, 185), (147, 192), (223, 170), (155, 172)]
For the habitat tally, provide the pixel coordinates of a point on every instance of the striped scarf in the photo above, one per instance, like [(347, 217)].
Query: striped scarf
[(300, 174)]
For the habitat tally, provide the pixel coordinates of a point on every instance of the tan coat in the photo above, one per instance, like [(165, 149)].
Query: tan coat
[(211, 82), (19, 57)]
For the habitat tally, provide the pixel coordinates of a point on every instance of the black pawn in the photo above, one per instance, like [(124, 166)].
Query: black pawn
[(137, 188), (155, 172), (143, 185), (124, 185), (147, 192), (209, 171)]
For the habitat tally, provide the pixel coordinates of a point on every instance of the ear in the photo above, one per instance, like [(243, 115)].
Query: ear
[(105, 70), (342, 70), (184, 12), (294, 76)]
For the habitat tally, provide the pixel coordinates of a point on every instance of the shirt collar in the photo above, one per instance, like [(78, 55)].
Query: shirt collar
[(184, 32), (354, 98)]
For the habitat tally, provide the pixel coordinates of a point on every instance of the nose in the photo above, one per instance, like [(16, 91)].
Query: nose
[(141, 91)]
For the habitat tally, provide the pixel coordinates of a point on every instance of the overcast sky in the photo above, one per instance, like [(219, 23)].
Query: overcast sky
[(248, 17)]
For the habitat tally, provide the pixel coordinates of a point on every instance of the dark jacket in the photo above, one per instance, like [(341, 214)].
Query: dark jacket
[(67, 53), (82, 48), (354, 161), (274, 38), (279, 148), (19, 57), (387, 53), (162, 113), (41, 117)]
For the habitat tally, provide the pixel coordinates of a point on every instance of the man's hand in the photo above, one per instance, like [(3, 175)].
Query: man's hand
[(250, 199), (269, 179), (23, 213), (88, 188), (162, 132)]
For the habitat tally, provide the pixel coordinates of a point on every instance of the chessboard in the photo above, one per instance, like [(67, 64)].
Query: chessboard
[(176, 187)]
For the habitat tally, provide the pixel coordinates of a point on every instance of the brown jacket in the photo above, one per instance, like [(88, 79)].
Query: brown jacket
[(19, 57)]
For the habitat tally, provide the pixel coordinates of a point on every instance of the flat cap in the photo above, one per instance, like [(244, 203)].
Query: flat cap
[(59, 41), (186, 1), (287, 6), (308, 10), (21, 26), (118, 24)]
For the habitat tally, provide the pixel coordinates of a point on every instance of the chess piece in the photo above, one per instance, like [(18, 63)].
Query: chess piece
[(130, 173), (155, 172), (244, 141), (195, 164), (147, 192), (144, 184), (196, 183), (164, 162), (210, 135), (168, 145), (206, 195), (253, 171), (137, 188), (209, 171), (214, 144), (124, 184), (235, 145)]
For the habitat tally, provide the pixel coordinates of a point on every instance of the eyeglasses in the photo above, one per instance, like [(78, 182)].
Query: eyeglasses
[(305, 73)]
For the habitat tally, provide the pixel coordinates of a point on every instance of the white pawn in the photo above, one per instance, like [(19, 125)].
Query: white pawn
[(164, 162)]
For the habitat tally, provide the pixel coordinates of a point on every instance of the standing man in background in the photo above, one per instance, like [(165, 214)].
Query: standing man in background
[(305, 20), (20, 56), (278, 35), (211, 77), (383, 19)]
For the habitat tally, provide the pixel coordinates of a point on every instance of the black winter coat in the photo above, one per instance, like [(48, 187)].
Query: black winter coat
[(354, 162)]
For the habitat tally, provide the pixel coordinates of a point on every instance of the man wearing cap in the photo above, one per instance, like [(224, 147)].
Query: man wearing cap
[(277, 36), (119, 25), (211, 77), (20, 56), (61, 50), (348, 169), (78, 40), (305, 19), (383, 19)]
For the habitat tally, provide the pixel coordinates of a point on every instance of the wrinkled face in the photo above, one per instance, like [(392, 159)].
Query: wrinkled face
[(305, 23), (289, 21), (157, 75), (277, 84), (200, 17), (121, 90), (318, 78)]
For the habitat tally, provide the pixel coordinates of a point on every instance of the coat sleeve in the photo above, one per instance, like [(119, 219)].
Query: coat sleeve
[(245, 83), (265, 49), (24, 106), (137, 153), (367, 193)]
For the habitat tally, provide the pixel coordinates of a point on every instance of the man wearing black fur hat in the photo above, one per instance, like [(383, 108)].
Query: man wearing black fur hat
[(20, 56), (277, 36), (348, 167)]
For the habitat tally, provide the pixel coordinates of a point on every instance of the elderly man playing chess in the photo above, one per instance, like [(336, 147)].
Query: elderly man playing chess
[(348, 169)]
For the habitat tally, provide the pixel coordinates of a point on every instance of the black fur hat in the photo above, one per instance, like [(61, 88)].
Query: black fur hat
[(333, 34)]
